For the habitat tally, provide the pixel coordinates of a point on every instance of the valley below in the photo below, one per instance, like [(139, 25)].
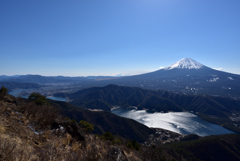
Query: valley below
[(180, 122)]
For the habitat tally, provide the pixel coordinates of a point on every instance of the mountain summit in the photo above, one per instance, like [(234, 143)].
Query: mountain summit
[(185, 63), (185, 76)]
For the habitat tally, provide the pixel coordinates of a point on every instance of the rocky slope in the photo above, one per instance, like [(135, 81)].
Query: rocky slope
[(25, 135)]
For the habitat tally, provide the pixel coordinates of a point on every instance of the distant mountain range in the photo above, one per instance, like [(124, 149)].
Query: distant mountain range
[(42, 79), (185, 76), (15, 85), (50, 79)]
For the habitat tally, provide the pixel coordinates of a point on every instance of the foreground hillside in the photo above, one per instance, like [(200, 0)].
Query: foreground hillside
[(34, 130), (37, 132)]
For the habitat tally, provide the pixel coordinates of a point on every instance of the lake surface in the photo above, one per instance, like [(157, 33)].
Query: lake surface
[(179, 122), (17, 92), (57, 98)]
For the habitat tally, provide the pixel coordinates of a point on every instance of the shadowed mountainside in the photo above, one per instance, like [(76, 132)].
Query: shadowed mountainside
[(112, 95)]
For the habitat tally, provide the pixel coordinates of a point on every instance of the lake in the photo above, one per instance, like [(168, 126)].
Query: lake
[(179, 122), (17, 92)]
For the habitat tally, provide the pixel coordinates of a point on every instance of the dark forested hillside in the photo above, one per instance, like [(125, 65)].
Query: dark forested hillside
[(112, 95)]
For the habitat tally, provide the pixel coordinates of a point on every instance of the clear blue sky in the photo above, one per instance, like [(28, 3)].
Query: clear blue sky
[(110, 37)]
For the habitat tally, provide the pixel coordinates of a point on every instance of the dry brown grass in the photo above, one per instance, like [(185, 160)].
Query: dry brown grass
[(13, 148), (67, 139), (2, 129), (19, 143)]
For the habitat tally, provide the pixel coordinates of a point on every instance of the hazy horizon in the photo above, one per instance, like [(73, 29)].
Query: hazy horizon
[(112, 75)]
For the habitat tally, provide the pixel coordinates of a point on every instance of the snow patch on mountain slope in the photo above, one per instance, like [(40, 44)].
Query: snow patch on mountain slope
[(230, 78), (213, 80), (186, 63)]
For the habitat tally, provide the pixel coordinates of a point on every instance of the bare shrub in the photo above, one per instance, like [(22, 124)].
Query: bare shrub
[(3, 92), (43, 116)]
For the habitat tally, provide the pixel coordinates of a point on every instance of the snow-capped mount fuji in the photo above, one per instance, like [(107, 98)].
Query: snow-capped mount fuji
[(185, 63), (185, 76)]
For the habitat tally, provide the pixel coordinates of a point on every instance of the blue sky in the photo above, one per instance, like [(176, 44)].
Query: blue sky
[(116, 37)]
